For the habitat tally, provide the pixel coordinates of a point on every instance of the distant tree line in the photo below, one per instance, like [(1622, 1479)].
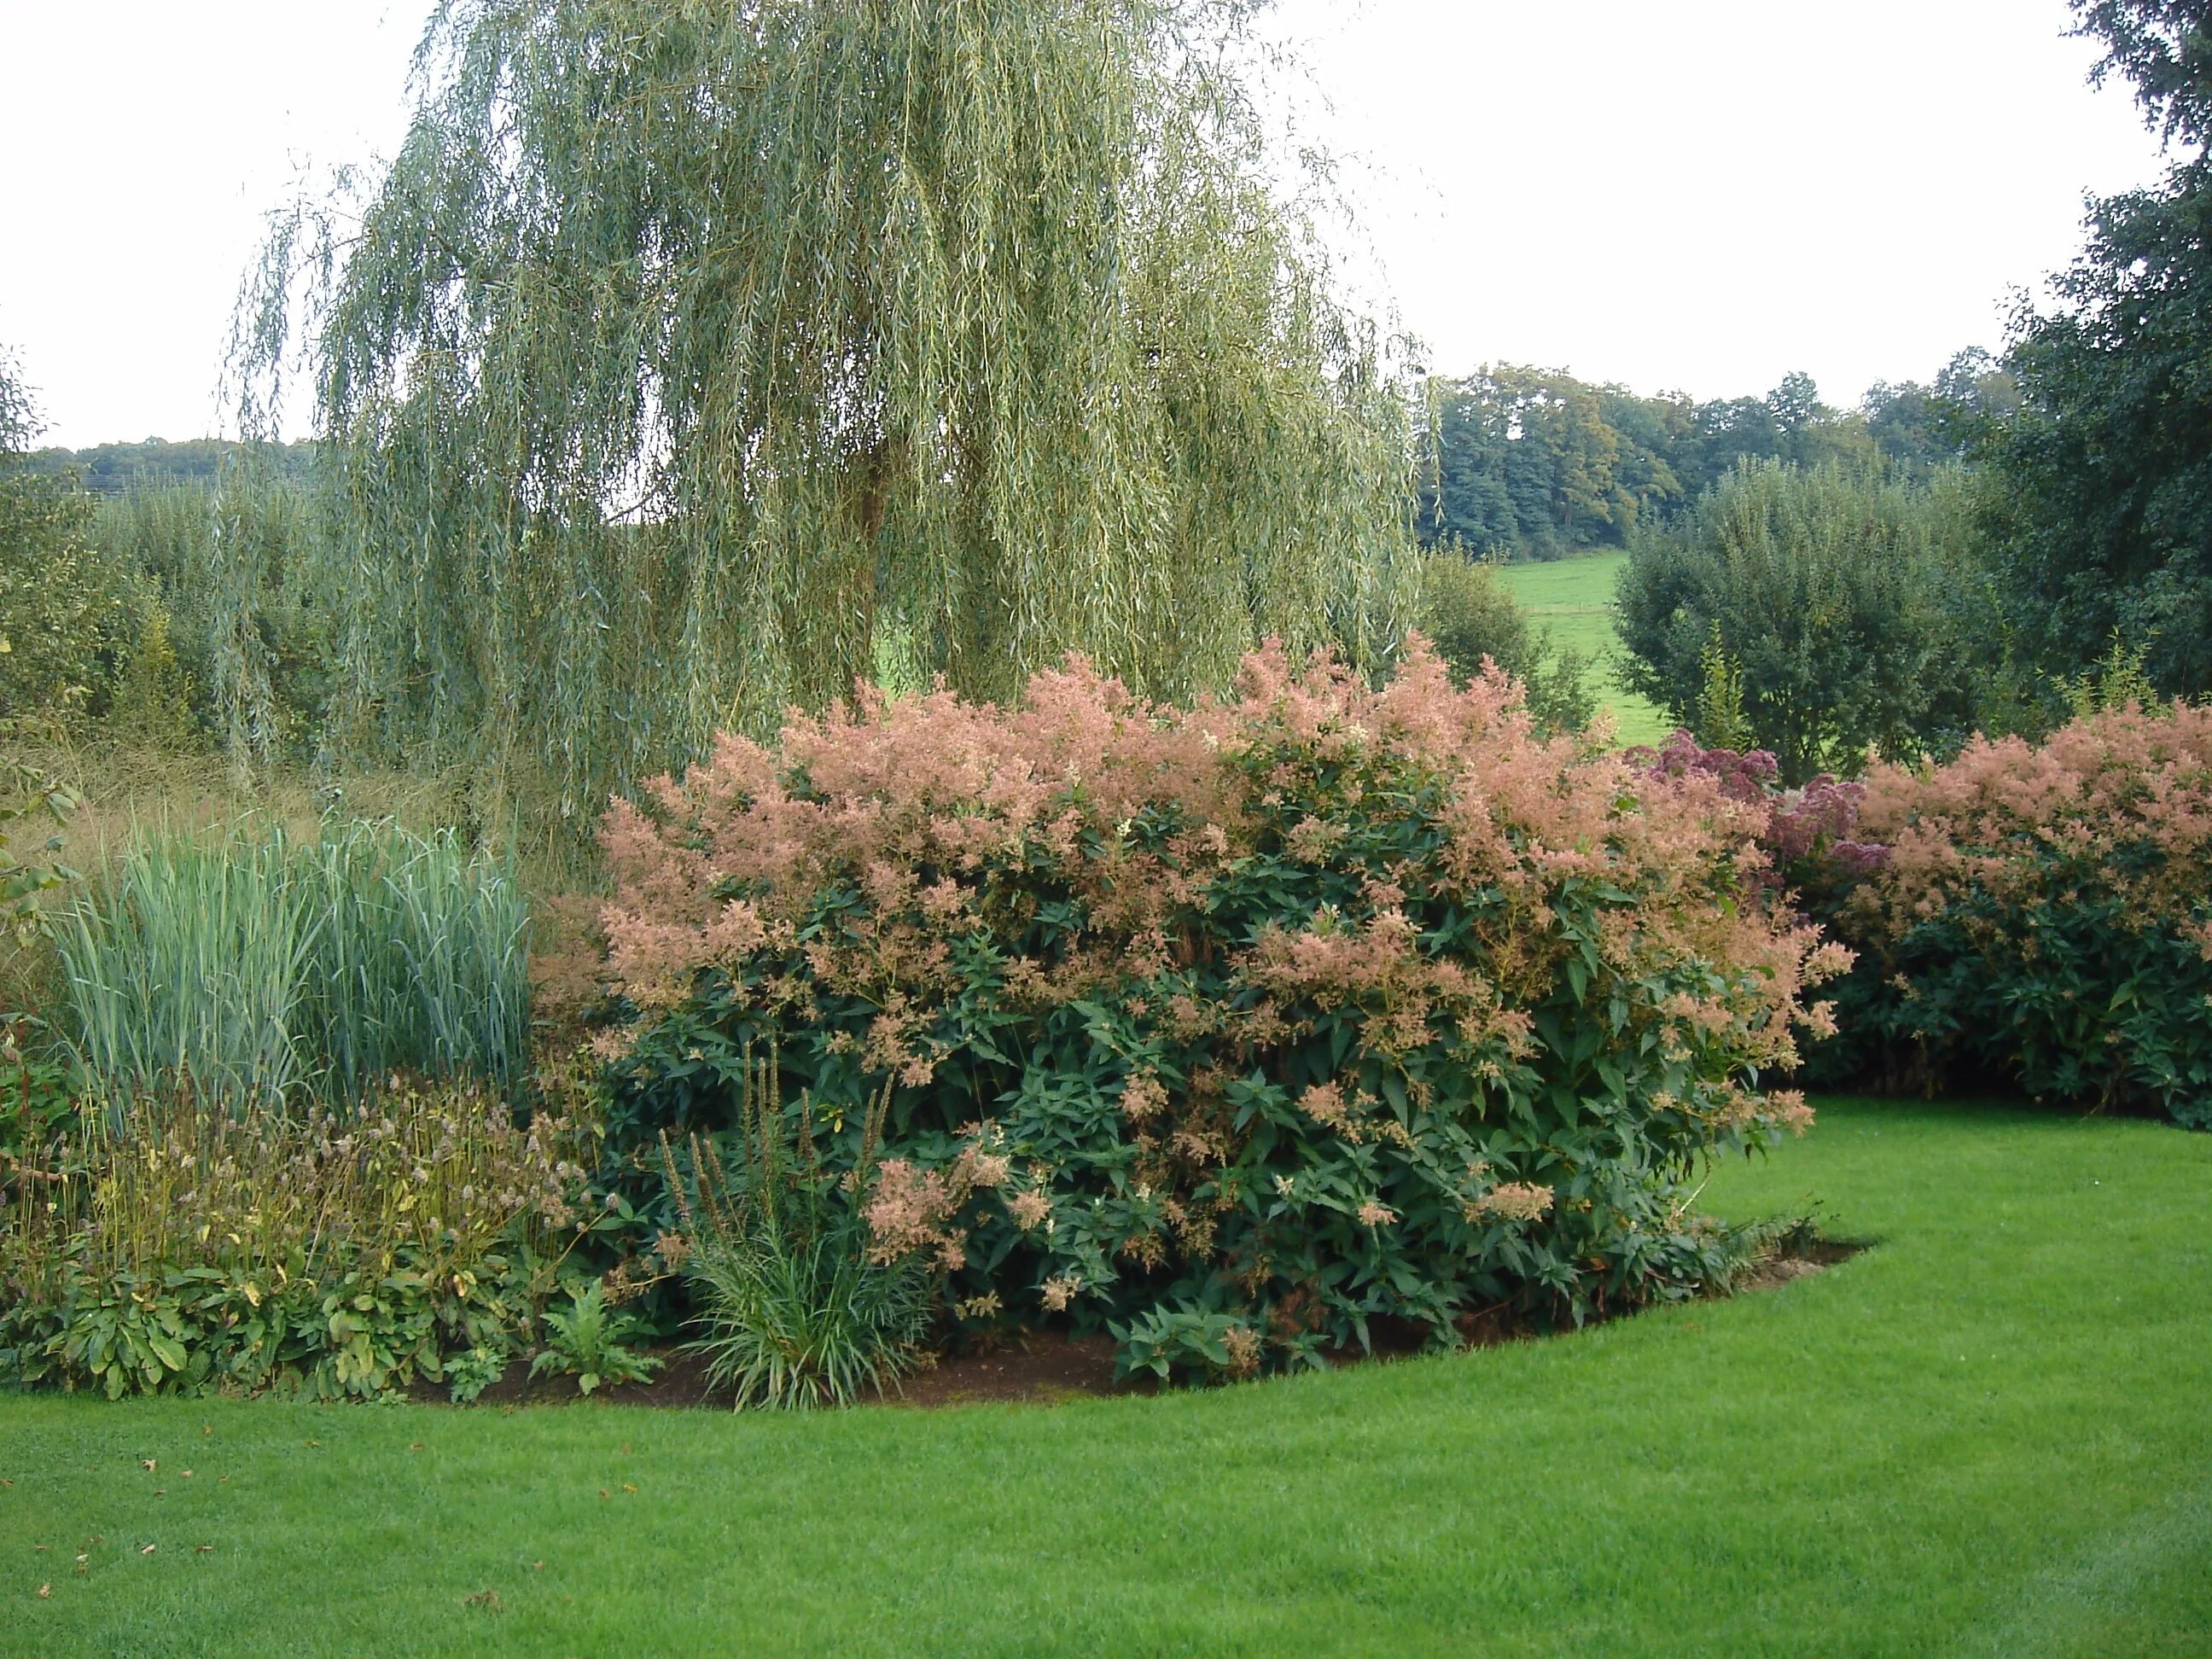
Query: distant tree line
[(119, 469), (1534, 463)]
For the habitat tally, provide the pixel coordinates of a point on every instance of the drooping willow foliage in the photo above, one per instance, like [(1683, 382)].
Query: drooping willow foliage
[(233, 563), (697, 357)]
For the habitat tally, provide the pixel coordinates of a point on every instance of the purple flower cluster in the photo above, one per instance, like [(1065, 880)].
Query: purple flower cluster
[(1815, 822)]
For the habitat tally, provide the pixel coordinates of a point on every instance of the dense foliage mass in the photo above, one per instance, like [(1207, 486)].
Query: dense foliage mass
[(1840, 602), (1235, 1029), (691, 362), (63, 615), (166, 616), (182, 1246), (265, 969), (1473, 622), (2103, 517), (695, 367), (126, 469), (227, 574), (2045, 914), (2031, 915)]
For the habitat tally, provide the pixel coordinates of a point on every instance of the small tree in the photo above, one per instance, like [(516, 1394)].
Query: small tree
[(1469, 615), (28, 794), (1721, 722), (62, 609), (153, 693), (1823, 594)]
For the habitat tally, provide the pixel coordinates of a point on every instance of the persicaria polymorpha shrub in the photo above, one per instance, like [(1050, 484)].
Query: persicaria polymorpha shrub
[(1234, 1027), (2045, 914)]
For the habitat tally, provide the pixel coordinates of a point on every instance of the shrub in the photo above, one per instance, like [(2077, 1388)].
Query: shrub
[(265, 967), (153, 693), (1828, 594), (1469, 617), (469, 1373), (247, 626), (803, 1304), (180, 1246), (2046, 913), (65, 606), (1810, 834), (29, 793), (38, 1091), (1327, 1004), (591, 1342)]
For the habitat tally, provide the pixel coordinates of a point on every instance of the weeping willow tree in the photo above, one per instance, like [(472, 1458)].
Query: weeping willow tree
[(694, 358)]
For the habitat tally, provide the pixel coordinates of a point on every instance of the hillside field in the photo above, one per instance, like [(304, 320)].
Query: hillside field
[(1573, 597)]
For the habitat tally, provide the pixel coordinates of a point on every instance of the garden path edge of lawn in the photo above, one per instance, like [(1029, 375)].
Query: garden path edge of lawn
[(1987, 1435)]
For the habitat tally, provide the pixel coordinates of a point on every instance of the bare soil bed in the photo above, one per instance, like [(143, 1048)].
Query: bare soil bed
[(1049, 1367)]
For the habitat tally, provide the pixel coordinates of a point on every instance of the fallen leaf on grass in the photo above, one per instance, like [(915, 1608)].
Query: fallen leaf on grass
[(202, 1549), (188, 1475), (538, 1566), (413, 1445), (9, 1484), (149, 1549), (46, 1592), (488, 1599), (161, 1492), (147, 1464), (207, 1428), (313, 1445)]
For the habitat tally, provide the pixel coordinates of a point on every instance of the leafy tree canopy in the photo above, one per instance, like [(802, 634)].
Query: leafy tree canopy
[(2104, 522), (117, 469), (63, 610), (1470, 618), (691, 360), (1919, 428), (1822, 596), (1528, 463), (2164, 46)]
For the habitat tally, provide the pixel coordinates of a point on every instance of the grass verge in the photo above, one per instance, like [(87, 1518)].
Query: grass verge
[(1986, 1435), (1573, 597)]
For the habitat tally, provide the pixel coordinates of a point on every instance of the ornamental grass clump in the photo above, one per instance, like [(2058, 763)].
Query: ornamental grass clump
[(183, 1244), (2045, 914), (269, 969), (1231, 1028), (808, 1292)]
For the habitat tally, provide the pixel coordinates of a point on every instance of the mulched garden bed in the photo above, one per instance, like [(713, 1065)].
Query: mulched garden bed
[(1048, 1367)]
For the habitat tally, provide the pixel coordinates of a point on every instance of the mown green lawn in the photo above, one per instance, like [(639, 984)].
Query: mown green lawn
[(1991, 1434), (1573, 597)]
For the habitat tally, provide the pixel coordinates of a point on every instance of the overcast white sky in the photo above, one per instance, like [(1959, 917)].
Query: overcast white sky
[(1692, 194)]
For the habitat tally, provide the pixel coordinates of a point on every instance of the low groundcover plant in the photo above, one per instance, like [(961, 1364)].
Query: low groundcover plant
[(182, 1245), (591, 1342), (1230, 1029)]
